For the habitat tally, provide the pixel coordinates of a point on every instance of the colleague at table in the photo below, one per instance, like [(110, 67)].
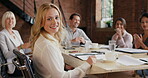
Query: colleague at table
[(76, 35), (10, 39), (46, 35), (122, 37), (141, 41)]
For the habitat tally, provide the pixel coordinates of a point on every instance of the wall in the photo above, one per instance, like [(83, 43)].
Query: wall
[(130, 10), (21, 25), (68, 6)]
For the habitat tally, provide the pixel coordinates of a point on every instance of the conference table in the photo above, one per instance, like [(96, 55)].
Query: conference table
[(103, 66)]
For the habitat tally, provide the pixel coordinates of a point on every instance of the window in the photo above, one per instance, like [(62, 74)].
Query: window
[(106, 9)]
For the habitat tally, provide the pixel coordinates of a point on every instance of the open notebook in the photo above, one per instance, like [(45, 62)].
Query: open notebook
[(131, 50)]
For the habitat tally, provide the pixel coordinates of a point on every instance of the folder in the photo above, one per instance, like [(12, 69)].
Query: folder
[(131, 50)]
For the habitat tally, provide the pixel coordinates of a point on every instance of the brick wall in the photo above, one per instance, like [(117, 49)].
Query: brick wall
[(68, 6), (130, 10), (26, 5), (21, 25)]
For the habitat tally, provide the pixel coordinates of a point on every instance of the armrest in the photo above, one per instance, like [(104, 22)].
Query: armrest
[(16, 63)]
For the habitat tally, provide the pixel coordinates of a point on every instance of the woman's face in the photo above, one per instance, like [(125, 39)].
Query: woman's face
[(144, 23), (52, 21), (9, 22), (119, 25)]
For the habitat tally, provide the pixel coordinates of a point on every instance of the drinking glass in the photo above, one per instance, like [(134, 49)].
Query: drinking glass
[(68, 45), (112, 45)]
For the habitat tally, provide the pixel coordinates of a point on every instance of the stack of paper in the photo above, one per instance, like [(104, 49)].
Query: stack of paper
[(128, 60), (104, 46)]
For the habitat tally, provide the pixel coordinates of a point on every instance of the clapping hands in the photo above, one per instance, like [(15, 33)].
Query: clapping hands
[(137, 40)]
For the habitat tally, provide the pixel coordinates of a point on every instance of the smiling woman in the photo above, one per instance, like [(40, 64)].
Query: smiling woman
[(46, 35), (10, 39), (52, 21)]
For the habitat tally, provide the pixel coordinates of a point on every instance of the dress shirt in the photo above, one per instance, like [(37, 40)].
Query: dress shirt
[(78, 33), (49, 63), (125, 41)]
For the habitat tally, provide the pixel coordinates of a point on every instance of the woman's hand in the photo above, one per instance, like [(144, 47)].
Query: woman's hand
[(116, 36), (137, 40), (26, 45), (91, 60), (119, 33)]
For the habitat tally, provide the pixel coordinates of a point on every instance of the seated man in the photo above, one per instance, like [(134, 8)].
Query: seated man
[(76, 35)]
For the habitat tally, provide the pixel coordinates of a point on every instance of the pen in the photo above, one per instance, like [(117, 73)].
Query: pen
[(99, 52), (143, 60)]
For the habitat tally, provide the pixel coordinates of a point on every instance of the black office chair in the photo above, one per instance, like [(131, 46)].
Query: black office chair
[(3, 66), (23, 64)]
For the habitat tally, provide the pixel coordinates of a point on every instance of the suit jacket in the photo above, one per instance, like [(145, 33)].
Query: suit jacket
[(7, 44)]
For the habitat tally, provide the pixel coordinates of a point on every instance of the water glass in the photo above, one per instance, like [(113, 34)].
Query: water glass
[(68, 45), (112, 45)]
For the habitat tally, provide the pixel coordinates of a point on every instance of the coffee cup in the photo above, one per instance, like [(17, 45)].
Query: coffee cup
[(111, 56)]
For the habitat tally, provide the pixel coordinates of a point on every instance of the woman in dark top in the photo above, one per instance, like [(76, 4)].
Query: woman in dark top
[(141, 41)]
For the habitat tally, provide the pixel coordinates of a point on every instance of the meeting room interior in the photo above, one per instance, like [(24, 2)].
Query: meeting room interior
[(100, 38)]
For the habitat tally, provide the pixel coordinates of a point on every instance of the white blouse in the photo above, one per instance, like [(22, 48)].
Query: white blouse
[(49, 63), (125, 42)]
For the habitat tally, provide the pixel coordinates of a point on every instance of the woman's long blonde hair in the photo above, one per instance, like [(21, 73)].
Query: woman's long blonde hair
[(38, 29)]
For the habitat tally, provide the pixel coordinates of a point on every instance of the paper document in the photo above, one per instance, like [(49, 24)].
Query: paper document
[(128, 60), (84, 56), (104, 46), (131, 50)]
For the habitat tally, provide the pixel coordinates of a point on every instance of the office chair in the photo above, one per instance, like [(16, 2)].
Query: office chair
[(3, 66), (23, 63)]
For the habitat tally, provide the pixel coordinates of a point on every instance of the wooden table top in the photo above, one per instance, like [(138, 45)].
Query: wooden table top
[(103, 66)]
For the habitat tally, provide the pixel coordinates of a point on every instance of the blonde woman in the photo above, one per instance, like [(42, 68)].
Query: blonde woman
[(46, 35), (10, 39)]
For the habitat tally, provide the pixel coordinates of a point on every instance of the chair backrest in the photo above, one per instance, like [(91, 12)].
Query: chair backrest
[(3, 67), (23, 64)]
